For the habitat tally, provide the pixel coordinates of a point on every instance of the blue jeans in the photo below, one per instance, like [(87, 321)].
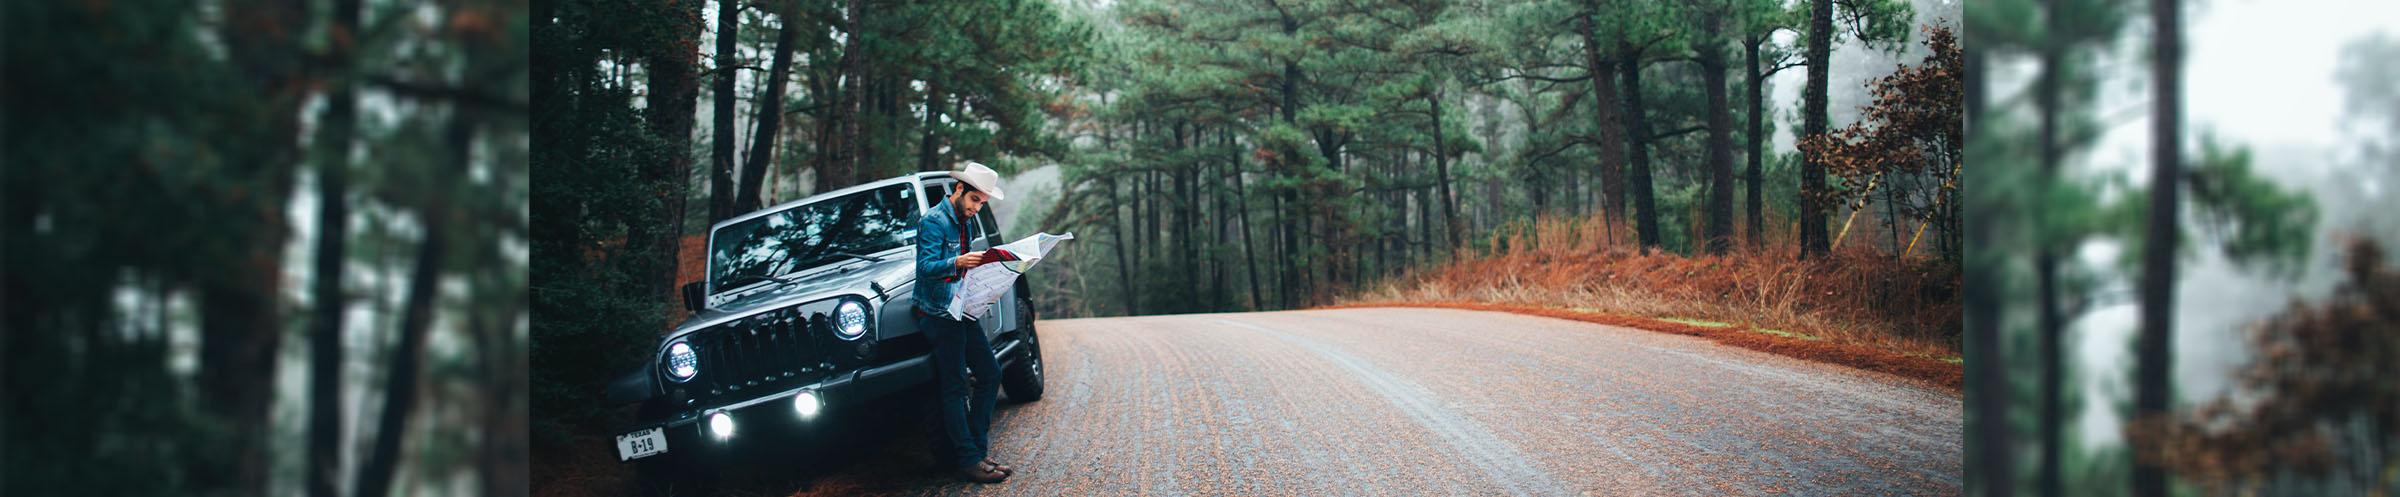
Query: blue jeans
[(966, 420)]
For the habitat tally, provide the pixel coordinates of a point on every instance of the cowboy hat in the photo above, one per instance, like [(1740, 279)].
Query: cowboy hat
[(982, 178)]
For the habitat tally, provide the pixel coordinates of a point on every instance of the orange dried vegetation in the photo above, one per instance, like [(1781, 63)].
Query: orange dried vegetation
[(1865, 309)]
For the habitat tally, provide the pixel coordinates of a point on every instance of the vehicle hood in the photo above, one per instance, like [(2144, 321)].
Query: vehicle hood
[(810, 286)]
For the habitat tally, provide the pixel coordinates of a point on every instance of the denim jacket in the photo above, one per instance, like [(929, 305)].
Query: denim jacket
[(937, 242)]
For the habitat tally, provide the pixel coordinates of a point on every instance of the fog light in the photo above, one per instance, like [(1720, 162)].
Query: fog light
[(721, 425), (807, 404)]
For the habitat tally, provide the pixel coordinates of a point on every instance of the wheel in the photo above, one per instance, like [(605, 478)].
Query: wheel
[(1023, 380)]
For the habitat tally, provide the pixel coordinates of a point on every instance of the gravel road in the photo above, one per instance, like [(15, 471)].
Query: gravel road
[(1408, 401)]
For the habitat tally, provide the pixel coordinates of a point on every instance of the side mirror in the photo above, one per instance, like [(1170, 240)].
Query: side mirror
[(692, 296), (991, 227)]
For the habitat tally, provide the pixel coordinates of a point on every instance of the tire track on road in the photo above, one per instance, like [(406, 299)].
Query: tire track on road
[(1497, 459)]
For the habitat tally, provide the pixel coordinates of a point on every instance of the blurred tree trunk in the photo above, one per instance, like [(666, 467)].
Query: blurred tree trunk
[(240, 333), (721, 157), (2153, 352), (1991, 465), (674, 99), (504, 455), (333, 219), (1720, 140), (241, 325), (1813, 236), (1990, 470), (2051, 324), (400, 384), (770, 117)]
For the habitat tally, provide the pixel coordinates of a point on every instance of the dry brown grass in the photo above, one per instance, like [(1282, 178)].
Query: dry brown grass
[(691, 259), (1903, 306)]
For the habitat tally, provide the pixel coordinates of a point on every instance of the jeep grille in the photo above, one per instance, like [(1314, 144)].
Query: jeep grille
[(762, 350)]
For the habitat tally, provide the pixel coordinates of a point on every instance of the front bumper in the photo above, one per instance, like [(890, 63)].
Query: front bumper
[(688, 431)]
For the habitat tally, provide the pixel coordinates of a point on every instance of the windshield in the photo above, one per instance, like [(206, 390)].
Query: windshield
[(810, 235)]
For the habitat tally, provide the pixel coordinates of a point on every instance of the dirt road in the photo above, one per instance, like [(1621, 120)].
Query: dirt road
[(1412, 401)]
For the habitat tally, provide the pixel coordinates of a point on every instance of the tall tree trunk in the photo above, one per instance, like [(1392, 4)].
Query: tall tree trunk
[(1425, 203), (675, 86), (333, 232), (1720, 143), (1124, 269), (890, 105), (1181, 244), (842, 170), (1285, 279), (1441, 168), (1217, 222), (1755, 177), (1891, 215), (721, 157), (400, 385), (2153, 350), (929, 150), (1241, 197), (1813, 236), (1637, 125), (1603, 73), (770, 118), (2052, 323)]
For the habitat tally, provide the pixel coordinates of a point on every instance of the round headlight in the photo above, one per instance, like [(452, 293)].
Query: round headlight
[(850, 320), (682, 364)]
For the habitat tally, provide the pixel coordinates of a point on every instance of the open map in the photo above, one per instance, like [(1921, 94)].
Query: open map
[(982, 286)]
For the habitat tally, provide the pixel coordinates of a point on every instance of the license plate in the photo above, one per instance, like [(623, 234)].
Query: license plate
[(641, 444)]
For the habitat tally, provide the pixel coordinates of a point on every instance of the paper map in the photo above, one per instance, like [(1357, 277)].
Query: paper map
[(982, 286)]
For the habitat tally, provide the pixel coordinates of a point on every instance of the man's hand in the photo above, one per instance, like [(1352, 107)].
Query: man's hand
[(968, 260)]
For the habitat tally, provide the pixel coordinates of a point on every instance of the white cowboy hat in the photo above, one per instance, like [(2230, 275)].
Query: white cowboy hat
[(982, 178)]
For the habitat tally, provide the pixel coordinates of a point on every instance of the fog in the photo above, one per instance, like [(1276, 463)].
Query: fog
[(2260, 75), (1854, 64)]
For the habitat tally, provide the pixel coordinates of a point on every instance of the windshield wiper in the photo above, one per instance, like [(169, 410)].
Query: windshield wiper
[(869, 258), (747, 278)]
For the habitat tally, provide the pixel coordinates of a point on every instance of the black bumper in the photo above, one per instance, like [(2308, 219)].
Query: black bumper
[(688, 434)]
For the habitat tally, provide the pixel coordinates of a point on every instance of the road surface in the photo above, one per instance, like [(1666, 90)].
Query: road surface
[(1409, 401)]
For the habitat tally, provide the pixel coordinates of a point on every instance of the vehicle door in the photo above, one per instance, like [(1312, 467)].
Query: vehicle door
[(1003, 315)]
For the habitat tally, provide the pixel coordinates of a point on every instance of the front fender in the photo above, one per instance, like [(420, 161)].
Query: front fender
[(635, 386)]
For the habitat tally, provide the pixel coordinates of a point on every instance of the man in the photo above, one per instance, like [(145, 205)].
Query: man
[(942, 258)]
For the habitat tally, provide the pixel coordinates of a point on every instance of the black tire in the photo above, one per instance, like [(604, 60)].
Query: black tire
[(1023, 380)]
